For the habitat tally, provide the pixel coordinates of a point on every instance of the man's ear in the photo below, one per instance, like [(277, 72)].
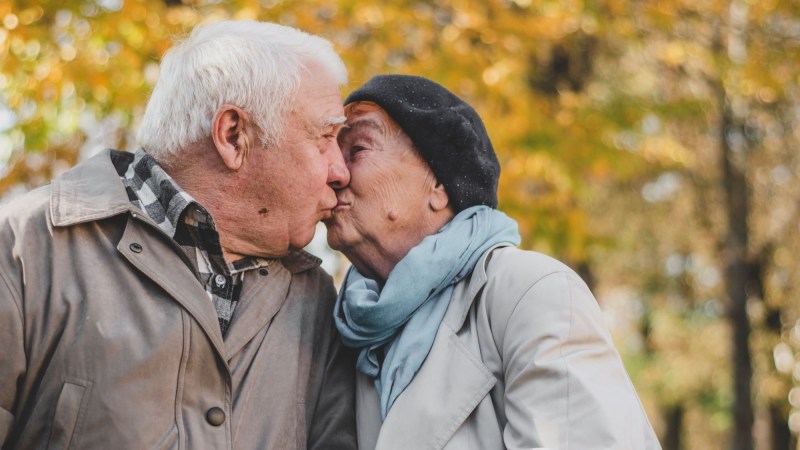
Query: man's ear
[(230, 131), (439, 198)]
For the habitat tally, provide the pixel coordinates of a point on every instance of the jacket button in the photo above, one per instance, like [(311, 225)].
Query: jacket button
[(136, 247), (220, 280), (215, 416), (263, 271)]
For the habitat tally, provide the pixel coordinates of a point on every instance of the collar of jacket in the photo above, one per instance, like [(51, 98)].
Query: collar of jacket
[(92, 191), (460, 304)]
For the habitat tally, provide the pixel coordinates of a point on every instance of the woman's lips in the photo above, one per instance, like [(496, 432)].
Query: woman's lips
[(340, 207)]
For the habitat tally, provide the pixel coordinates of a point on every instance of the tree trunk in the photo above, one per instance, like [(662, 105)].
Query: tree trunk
[(732, 143), (674, 428), (781, 435), (584, 270), (734, 259)]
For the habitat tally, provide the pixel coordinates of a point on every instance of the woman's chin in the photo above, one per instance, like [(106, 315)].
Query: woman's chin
[(334, 234), (341, 238)]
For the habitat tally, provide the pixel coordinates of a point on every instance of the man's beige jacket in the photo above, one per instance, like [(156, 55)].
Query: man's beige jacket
[(108, 341), (522, 360)]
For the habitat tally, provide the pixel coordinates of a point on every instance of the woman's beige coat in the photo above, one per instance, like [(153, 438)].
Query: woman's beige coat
[(522, 360)]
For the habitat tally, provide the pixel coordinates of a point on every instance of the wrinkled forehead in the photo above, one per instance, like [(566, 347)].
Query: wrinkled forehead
[(370, 115)]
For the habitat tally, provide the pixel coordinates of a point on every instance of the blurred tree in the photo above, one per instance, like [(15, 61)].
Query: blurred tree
[(712, 55)]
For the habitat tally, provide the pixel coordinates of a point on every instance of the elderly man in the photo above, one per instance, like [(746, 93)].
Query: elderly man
[(466, 341), (161, 299)]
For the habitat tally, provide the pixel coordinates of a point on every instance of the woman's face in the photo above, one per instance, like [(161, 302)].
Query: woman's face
[(387, 202)]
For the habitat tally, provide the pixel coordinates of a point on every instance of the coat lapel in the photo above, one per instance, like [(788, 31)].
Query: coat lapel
[(449, 386), (262, 298), (145, 251), (445, 391)]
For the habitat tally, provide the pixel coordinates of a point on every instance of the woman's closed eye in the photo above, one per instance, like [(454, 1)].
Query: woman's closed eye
[(356, 151)]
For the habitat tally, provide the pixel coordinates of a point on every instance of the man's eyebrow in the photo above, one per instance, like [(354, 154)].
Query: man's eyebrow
[(334, 121)]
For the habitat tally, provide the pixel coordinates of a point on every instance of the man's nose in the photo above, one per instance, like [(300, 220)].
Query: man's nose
[(338, 174)]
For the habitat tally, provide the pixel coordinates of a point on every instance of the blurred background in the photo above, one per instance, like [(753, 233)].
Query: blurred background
[(651, 145)]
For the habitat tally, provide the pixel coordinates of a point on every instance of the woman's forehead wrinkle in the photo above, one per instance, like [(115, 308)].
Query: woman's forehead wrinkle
[(366, 123)]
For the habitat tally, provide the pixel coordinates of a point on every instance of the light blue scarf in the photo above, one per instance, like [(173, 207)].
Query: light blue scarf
[(402, 319)]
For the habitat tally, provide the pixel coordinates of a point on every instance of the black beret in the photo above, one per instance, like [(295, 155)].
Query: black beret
[(446, 131)]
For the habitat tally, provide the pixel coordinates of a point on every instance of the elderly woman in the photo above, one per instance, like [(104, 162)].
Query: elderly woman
[(466, 342)]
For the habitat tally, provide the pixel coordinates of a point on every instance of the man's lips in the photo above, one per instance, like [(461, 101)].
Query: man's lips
[(330, 213)]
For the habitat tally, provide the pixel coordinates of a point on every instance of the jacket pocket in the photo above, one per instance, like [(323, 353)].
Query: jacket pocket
[(70, 410), (169, 441)]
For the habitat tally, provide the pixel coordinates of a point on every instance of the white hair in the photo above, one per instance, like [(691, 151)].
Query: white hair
[(256, 66)]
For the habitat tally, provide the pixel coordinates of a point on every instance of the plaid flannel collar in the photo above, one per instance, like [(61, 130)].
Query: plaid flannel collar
[(153, 191)]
